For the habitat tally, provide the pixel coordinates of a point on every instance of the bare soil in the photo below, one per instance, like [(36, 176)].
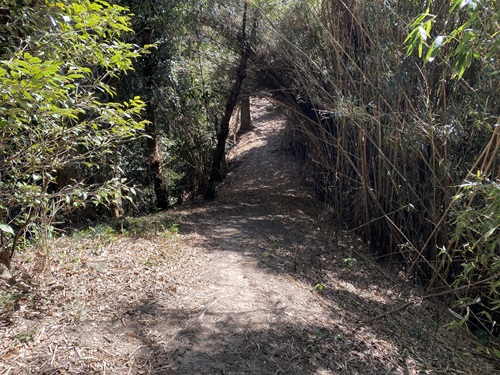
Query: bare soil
[(258, 281)]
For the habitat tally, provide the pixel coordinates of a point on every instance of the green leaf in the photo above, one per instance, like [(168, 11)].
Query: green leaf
[(6, 228), (117, 56), (434, 49), (454, 5), (423, 33)]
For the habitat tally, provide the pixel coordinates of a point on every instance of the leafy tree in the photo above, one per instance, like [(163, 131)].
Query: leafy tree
[(217, 173), (182, 89), (185, 82), (57, 122)]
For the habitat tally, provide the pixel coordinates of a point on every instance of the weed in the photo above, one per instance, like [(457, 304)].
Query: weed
[(174, 228), (8, 300), (350, 262), (275, 246), (319, 287), (97, 231), (149, 225)]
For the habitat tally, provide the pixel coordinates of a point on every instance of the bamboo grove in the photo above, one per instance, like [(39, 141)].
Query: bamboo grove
[(400, 135)]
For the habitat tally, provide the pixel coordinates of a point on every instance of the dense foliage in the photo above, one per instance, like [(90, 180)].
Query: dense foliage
[(68, 107), (184, 82), (57, 120)]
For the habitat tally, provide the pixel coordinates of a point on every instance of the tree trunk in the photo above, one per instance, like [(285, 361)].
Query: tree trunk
[(116, 206), (219, 156), (246, 120), (151, 129), (5, 252)]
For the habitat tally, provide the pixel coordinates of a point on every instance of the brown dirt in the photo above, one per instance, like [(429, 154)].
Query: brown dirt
[(256, 282)]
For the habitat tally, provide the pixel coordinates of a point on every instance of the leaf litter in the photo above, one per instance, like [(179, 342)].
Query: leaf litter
[(258, 281)]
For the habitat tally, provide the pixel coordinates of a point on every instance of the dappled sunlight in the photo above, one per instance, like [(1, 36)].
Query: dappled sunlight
[(267, 221), (382, 297), (249, 187), (255, 282)]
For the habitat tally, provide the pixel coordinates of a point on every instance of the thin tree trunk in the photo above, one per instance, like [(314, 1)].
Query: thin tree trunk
[(246, 120), (152, 130), (4, 247), (116, 206), (219, 156)]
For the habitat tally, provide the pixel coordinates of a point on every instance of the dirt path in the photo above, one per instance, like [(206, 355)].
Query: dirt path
[(253, 315), (283, 293), (255, 282)]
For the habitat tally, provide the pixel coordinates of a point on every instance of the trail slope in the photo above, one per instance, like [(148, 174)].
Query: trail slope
[(288, 294), (258, 281)]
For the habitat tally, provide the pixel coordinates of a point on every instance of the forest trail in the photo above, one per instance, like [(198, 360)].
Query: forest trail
[(255, 282)]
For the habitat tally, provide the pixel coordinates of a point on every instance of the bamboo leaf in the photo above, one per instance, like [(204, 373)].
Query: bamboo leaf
[(434, 49), (456, 315)]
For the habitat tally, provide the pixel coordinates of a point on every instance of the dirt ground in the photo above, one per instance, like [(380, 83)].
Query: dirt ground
[(255, 282)]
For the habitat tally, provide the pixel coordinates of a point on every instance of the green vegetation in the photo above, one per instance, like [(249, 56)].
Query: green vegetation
[(393, 109), (57, 123)]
